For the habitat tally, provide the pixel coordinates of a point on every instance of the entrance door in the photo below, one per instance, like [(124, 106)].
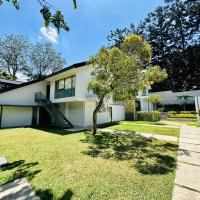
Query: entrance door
[(48, 92)]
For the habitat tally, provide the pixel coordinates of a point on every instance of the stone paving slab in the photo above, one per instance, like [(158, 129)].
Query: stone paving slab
[(17, 190), (189, 157), (189, 147), (191, 136), (189, 140), (188, 175), (146, 135), (183, 194), (3, 161), (187, 181)]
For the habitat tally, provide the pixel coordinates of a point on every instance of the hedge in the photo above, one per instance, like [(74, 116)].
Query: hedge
[(182, 115), (148, 116)]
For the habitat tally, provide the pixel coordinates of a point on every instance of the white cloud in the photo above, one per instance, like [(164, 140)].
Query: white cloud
[(50, 34)]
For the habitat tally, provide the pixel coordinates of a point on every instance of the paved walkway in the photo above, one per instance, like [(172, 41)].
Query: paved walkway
[(146, 135), (17, 190), (187, 181)]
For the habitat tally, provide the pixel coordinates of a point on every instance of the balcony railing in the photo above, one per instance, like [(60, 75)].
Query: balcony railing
[(65, 93)]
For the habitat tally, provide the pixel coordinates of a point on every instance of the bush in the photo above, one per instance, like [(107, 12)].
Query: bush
[(182, 112), (182, 115), (149, 116)]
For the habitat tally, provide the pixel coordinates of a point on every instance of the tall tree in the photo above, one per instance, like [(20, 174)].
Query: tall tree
[(173, 32), (50, 14), (13, 54), (120, 72), (44, 60)]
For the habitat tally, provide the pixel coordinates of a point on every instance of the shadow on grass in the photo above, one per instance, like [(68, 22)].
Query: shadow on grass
[(48, 195), (147, 155), (56, 130), (22, 169)]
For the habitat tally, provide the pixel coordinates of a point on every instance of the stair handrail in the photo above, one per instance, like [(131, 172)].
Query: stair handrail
[(39, 97)]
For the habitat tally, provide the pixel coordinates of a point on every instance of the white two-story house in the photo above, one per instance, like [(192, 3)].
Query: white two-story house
[(61, 99)]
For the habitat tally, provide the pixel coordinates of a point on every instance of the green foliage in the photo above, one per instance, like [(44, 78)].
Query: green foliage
[(121, 71), (43, 60), (149, 116), (190, 115), (155, 98), (13, 54), (173, 32), (36, 61), (57, 18), (130, 109)]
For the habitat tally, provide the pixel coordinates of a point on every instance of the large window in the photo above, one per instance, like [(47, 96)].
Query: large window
[(65, 87)]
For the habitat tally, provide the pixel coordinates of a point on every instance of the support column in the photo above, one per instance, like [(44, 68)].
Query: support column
[(1, 115)]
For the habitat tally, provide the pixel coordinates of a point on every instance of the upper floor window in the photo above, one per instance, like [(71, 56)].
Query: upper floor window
[(65, 87)]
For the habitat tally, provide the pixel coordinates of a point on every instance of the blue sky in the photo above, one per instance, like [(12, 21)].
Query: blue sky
[(90, 23)]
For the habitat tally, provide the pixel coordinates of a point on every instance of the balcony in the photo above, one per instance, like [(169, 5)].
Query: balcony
[(65, 93)]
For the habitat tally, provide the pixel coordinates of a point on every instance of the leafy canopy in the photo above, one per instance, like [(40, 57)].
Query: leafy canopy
[(123, 71), (43, 60), (173, 33), (56, 17)]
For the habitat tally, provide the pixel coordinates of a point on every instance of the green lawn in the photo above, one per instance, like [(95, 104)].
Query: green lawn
[(131, 126), (144, 122), (60, 165), (193, 124)]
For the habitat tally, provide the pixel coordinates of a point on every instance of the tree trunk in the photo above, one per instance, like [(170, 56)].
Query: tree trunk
[(97, 109)]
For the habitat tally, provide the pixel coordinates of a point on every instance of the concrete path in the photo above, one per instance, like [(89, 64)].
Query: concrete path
[(146, 135), (17, 190), (187, 181)]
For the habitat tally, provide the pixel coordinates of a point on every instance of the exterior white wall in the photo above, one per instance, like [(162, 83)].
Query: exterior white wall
[(145, 105), (23, 95), (88, 113), (197, 103), (170, 97), (13, 116), (83, 77), (118, 113)]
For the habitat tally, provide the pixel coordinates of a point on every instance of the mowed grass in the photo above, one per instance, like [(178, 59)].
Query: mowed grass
[(60, 165), (193, 124), (144, 122), (160, 130)]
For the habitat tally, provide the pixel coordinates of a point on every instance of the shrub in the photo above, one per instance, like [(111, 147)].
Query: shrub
[(182, 115), (172, 112), (149, 116)]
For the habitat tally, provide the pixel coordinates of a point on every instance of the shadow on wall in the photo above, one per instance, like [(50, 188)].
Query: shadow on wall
[(148, 156)]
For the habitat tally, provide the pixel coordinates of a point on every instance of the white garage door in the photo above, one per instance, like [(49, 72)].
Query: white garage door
[(13, 116)]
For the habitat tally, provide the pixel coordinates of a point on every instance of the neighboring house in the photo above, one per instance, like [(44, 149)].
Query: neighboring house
[(8, 83), (61, 99), (168, 98)]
